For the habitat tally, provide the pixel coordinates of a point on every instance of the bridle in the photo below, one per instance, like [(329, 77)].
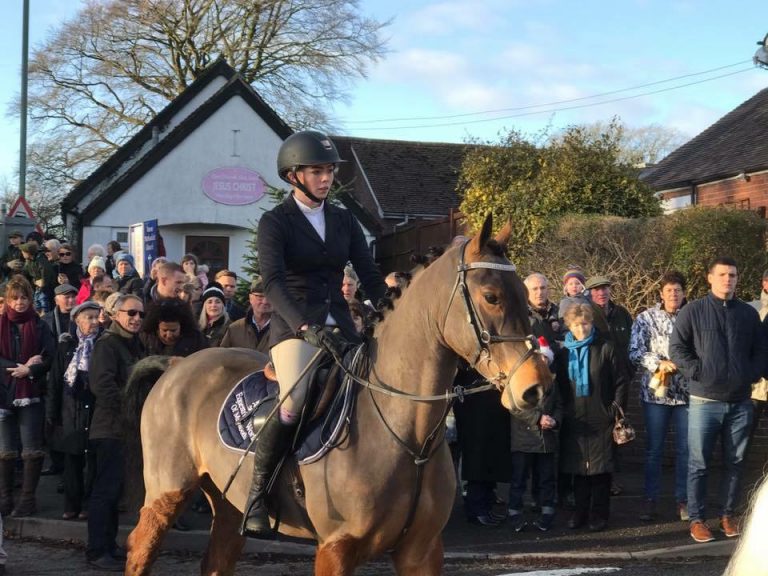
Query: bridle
[(483, 337)]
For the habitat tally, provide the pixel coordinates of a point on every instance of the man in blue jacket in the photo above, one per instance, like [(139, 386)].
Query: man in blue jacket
[(718, 345)]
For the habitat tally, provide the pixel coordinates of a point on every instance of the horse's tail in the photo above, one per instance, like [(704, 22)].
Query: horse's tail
[(143, 377)]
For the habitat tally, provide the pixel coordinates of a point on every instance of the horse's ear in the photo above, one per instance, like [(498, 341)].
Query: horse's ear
[(504, 235), (480, 240)]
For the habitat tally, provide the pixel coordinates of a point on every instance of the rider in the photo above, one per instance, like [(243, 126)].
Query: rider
[(303, 245)]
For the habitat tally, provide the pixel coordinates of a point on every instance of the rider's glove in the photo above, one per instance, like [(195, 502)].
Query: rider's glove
[(319, 337)]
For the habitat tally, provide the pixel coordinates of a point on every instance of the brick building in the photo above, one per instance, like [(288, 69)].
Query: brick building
[(727, 164)]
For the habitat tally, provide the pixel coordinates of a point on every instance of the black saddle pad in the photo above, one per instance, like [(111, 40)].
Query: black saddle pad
[(245, 399), (254, 397)]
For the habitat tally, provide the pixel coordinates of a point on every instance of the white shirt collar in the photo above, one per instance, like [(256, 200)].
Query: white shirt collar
[(308, 209)]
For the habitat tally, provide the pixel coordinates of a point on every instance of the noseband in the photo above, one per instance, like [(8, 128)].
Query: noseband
[(483, 337)]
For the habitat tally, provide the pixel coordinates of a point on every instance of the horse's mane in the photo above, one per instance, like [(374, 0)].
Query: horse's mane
[(392, 295)]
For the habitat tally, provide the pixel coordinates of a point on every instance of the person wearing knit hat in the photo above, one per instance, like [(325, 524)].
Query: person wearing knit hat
[(123, 256), (97, 268), (128, 280), (214, 320), (573, 281), (573, 291)]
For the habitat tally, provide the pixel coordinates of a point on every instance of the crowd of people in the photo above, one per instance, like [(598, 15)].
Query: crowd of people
[(69, 338), (700, 368), (70, 335)]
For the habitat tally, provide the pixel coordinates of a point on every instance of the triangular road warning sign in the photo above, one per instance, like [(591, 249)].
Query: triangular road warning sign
[(21, 208)]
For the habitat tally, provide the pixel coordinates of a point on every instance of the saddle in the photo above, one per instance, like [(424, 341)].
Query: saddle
[(322, 388)]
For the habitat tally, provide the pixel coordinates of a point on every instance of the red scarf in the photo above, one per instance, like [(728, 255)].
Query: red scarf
[(26, 323)]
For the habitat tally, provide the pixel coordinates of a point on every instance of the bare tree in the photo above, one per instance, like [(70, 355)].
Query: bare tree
[(103, 74), (640, 145)]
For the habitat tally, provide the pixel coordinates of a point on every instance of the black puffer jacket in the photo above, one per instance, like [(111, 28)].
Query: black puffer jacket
[(114, 355), (586, 439), (131, 283), (719, 346)]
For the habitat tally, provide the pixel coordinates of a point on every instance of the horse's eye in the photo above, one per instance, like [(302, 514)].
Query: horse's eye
[(491, 299)]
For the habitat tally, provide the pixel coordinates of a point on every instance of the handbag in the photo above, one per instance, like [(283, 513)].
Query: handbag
[(623, 431)]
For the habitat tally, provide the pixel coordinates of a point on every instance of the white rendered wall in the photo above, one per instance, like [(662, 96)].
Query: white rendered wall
[(171, 191)]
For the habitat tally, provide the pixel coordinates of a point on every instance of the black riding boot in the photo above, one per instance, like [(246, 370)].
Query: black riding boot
[(275, 439)]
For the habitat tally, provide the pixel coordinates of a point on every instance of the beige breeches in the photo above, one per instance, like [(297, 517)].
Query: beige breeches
[(290, 357)]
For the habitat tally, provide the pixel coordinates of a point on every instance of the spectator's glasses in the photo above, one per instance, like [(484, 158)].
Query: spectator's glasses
[(133, 313), (65, 253)]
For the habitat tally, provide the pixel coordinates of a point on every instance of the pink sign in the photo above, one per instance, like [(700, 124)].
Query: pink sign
[(234, 186)]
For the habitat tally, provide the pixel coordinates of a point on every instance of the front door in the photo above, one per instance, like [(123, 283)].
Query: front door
[(213, 251)]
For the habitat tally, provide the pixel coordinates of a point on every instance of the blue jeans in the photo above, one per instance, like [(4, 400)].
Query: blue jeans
[(22, 424), (543, 483), (657, 419), (40, 301), (731, 421)]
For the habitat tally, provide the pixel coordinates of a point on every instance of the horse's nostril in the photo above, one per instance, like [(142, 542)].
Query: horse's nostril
[(533, 395)]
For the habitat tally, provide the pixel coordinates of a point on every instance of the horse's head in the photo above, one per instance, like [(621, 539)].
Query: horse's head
[(487, 321)]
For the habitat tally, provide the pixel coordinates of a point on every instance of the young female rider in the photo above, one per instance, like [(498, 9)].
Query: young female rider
[(304, 244)]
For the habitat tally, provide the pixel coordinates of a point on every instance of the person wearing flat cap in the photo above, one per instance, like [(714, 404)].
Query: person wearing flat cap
[(58, 319), (128, 279), (214, 320), (253, 330), (39, 271), (618, 319), (69, 403), (12, 261)]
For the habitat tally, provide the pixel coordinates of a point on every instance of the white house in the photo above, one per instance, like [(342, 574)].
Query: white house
[(201, 168)]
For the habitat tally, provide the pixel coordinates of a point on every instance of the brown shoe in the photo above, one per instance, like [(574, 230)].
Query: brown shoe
[(729, 527), (700, 532)]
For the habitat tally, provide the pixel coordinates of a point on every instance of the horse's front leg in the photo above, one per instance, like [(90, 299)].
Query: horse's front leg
[(412, 559), (338, 558)]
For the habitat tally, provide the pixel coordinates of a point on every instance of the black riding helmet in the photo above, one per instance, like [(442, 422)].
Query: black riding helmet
[(306, 148)]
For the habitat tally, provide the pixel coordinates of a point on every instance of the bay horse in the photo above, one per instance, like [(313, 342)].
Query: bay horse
[(361, 499)]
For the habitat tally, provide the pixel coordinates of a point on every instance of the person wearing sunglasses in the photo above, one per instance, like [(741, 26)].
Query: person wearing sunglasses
[(114, 355), (70, 271)]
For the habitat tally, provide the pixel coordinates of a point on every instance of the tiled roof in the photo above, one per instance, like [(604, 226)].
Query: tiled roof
[(414, 178), (735, 143)]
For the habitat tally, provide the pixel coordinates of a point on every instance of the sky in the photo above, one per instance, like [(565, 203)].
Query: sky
[(538, 64)]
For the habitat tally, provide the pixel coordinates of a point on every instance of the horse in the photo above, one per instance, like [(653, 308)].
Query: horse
[(389, 487), (749, 557)]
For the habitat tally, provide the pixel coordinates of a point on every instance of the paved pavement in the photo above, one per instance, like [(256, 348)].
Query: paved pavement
[(626, 537)]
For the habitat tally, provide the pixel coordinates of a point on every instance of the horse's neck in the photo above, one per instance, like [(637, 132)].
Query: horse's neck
[(411, 356)]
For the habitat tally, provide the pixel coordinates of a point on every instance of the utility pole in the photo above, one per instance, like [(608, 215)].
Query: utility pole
[(23, 111)]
